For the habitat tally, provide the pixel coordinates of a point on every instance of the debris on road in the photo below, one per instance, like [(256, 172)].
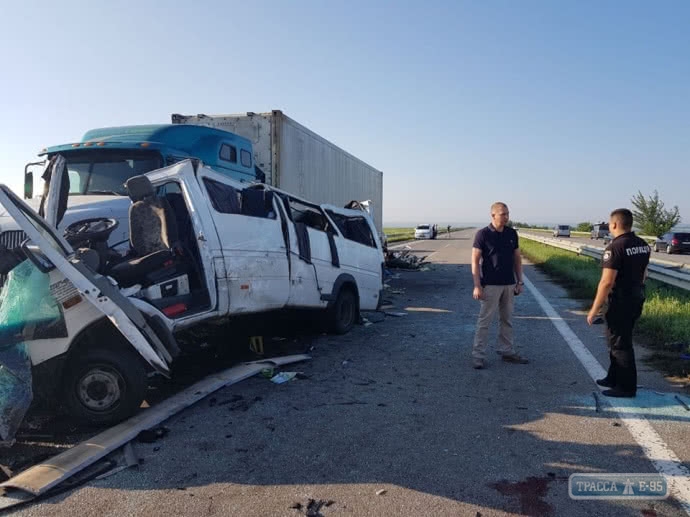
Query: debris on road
[(381, 492), (283, 377), (130, 460), (41, 478), (374, 317), (314, 507), (404, 260), (152, 435), (396, 314)]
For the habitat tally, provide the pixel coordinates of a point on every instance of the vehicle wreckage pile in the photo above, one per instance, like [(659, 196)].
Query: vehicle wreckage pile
[(403, 259)]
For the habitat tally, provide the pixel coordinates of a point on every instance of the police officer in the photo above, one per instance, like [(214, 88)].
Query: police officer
[(624, 272)]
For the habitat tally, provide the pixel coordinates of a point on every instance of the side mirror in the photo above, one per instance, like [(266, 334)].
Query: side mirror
[(28, 185)]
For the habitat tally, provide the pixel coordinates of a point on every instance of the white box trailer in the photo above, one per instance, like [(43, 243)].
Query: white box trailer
[(298, 161)]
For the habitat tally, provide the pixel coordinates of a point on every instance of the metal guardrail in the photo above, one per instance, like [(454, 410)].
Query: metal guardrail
[(671, 273), (579, 234)]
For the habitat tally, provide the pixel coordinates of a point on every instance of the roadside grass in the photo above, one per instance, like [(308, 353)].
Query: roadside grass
[(665, 322), (407, 234), (399, 234)]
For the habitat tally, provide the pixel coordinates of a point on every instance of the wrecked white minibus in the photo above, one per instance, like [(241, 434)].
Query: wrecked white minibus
[(85, 325)]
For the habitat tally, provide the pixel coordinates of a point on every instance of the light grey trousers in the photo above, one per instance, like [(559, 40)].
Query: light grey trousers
[(495, 297)]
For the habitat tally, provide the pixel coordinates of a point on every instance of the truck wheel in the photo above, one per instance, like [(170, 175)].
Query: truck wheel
[(104, 385), (343, 314)]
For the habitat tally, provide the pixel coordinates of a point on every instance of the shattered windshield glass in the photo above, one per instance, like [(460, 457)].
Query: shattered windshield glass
[(105, 172), (28, 311)]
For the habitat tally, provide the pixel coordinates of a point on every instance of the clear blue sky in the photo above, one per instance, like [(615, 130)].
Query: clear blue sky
[(561, 109)]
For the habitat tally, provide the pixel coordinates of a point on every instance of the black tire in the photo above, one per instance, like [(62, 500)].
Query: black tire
[(104, 385), (344, 314), (656, 248), (668, 249)]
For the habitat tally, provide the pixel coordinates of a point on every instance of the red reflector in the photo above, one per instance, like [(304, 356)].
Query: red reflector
[(674, 242), (174, 310), (167, 263), (244, 286)]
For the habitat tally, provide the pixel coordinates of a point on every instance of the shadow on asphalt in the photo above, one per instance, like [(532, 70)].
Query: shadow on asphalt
[(393, 403)]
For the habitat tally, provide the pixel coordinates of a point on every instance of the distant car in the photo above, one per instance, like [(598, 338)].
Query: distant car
[(608, 238), (562, 230), (424, 231), (599, 231), (673, 242)]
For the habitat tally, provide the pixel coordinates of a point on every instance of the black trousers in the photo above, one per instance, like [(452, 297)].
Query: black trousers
[(620, 322)]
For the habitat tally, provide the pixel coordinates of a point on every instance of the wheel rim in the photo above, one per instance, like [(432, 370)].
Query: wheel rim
[(100, 388)]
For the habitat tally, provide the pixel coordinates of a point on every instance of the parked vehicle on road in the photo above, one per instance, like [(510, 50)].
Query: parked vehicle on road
[(562, 230), (201, 247), (599, 231), (673, 242), (424, 231)]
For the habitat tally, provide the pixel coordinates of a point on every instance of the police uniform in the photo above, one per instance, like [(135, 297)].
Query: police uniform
[(629, 256)]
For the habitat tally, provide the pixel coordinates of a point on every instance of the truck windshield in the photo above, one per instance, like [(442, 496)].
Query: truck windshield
[(105, 172)]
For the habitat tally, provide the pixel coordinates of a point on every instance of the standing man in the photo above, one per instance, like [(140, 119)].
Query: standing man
[(624, 272), (448, 229), (496, 283)]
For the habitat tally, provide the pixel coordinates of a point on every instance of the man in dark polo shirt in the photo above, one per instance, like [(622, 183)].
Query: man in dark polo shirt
[(497, 275), (624, 272)]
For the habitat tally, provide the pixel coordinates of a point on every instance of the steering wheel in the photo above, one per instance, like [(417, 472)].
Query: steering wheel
[(97, 229)]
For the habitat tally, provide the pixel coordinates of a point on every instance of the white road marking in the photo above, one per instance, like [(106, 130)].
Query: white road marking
[(662, 457)]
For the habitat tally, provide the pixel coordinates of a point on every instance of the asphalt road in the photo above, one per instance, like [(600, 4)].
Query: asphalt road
[(397, 407), (599, 243)]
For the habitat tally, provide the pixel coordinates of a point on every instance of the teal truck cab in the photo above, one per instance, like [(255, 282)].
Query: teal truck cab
[(107, 157)]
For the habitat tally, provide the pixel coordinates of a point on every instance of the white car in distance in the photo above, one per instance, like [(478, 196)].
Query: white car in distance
[(424, 231)]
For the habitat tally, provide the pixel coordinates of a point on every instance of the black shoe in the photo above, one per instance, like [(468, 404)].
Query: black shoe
[(618, 393), (605, 383)]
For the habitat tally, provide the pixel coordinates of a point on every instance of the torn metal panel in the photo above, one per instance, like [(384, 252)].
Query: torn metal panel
[(58, 251), (40, 478)]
